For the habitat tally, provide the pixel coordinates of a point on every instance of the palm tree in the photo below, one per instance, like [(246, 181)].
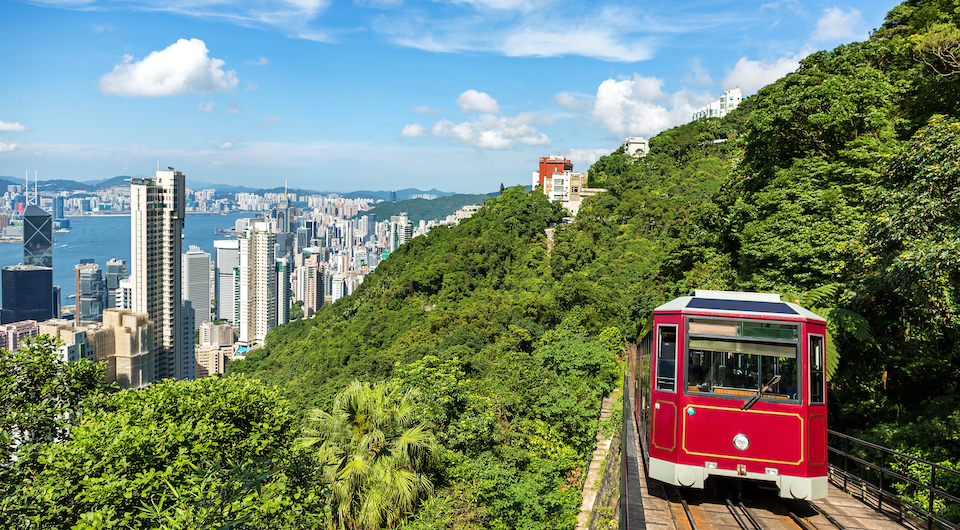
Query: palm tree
[(373, 453)]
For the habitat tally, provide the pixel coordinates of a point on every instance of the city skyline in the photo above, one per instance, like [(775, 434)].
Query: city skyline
[(320, 92)]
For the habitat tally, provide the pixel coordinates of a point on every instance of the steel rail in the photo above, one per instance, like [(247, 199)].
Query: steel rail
[(736, 516)]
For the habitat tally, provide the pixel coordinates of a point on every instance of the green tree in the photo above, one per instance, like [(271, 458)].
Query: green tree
[(40, 395), (194, 454), (374, 455)]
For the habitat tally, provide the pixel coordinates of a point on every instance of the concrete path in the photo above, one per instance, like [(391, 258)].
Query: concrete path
[(593, 475)]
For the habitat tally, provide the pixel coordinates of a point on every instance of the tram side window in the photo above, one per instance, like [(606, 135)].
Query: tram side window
[(667, 360), (816, 370)]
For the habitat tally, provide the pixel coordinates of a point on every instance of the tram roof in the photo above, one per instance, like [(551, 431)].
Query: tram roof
[(766, 304)]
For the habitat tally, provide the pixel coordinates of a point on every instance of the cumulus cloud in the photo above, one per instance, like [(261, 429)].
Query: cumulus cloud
[(12, 127), (835, 25), (586, 157), (413, 130), (423, 109), (639, 106), (751, 76), (235, 109), (7, 147), (226, 145), (267, 121), (486, 132), (180, 69), (262, 61), (206, 107), (588, 41), (473, 101), (573, 101)]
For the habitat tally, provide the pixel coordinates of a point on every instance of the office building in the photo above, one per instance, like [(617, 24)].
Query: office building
[(284, 213), (196, 282), (116, 271), (257, 283), (227, 255), (37, 237), (156, 227), (91, 293), (58, 208), (217, 334), (27, 293)]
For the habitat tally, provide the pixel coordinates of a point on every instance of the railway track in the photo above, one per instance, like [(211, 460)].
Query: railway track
[(723, 510)]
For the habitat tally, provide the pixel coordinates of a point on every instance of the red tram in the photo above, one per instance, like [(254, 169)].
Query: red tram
[(733, 384)]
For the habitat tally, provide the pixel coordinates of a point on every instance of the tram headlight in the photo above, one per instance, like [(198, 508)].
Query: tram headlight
[(741, 442)]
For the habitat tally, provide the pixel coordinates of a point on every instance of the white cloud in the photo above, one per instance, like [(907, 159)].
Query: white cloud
[(262, 61), (588, 41), (250, 86), (473, 101), (235, 109), (226, 145), (586, 157), (573, 101), (413, 130), (12, 127), (7, 147), (751, 76), (423, 109), (491, 132), (100, 28), (206, 107), (639, 106), (180, 69), (267, 121), (836, 25)]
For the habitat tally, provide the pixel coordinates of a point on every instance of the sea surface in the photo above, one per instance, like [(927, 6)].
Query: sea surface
[(107, 237)]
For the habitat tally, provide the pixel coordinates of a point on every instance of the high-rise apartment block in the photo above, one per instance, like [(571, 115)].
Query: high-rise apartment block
[(227, 255), (156, 226), (13, 334), (258, 283), (283, 290), (196, 282)]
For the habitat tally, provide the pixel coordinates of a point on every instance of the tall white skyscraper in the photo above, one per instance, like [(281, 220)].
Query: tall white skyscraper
[(156, 227), (258, 282), (228, 259), (283, 290), (196, 282)]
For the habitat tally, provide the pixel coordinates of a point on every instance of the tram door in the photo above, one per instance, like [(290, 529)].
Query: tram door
[(664, 403)]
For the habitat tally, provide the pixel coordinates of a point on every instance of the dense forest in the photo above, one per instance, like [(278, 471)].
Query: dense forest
[(459, 387)]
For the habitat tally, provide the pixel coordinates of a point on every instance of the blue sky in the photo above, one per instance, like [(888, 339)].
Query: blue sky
[(336, 95)]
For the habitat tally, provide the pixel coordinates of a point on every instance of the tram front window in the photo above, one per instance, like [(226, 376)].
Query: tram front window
[(735, 368)]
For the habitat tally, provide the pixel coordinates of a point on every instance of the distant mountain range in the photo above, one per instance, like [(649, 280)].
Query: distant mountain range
[(91, 186)]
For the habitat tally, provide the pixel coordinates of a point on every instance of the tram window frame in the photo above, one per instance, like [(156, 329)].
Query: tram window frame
[(817, 371), (795, 345), (661, 381)]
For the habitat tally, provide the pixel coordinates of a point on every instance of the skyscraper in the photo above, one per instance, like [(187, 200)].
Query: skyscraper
[(284, 211), (27, 293), (196, 282), (116, 271), (156, 226), (37, 237), (91, 294), (258, 283), (228, 259), (283, 290)]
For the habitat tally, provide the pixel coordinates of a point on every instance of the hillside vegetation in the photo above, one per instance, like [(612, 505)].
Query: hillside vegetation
[(484, 351)]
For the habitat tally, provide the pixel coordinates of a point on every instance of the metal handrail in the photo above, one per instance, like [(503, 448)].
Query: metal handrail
[(930, 487)]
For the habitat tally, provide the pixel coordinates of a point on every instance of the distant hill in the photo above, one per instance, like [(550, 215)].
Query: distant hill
[(424, 209), (402, 195)]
